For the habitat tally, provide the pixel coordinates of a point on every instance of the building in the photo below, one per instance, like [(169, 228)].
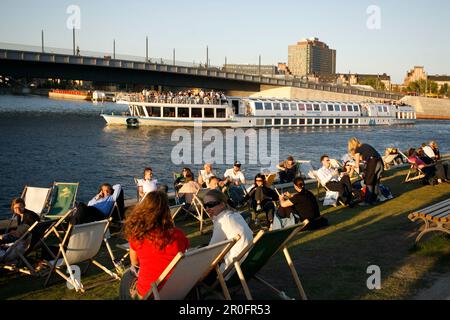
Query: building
[(358, 79), (441, 80), (253, 69), (311, 57), (416, 74)]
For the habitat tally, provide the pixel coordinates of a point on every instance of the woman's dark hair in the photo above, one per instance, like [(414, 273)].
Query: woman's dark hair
[(299, 182), (110, 188), (260, 176), (189, 177), (16, 201), (411, 152), (151, 220)]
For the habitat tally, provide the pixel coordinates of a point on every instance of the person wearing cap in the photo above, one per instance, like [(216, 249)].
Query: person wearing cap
[(235, 180), (288, 170)]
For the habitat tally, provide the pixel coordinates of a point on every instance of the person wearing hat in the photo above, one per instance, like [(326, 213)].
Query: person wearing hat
[(288, 170), (235, 180)]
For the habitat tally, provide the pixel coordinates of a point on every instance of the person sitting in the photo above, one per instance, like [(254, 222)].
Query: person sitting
[(189, 188), (335, 181), (235, 181), (147, 184), (180, 179), (303, 204), (262, 197), (226, 225), (288, 170), (100, 206), (434, 146), (154, 242), (25, 218), (205, 175), (438, 171), (431, 150), (424, 157)]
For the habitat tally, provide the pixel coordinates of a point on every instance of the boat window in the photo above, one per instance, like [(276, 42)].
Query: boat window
[(323, 107), (324, 121), (267, 106), (277, 122), (154, 111), (294, 122), (344, 121), (330, 107), (260, 122), (350, 108), (140, 111), (301, 107), (301, 121), (330, 121), (276, 106), (338, 121), (285, 106), (169, 112), (209, 112), (196, 113), (350, 121), (294, 107), (220, 113), (337, 108), (344, 108), (385, 109), (258, 106), (380, 109), (268, 122), (183, 112), (316, 107), (316, 121), (356, 108), (285, 121), (309, 121), (356, 121), (309, 107)]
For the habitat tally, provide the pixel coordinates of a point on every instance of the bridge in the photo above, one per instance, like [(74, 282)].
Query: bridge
[(29, 64)]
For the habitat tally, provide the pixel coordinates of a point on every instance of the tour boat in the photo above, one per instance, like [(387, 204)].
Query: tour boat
[(262, 113)]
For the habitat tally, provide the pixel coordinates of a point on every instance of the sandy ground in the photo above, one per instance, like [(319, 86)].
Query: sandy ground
[(439, 291)]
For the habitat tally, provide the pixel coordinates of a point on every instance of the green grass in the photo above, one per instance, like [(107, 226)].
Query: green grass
[(331, 262)]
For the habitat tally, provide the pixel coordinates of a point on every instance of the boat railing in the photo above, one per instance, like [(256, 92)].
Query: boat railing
[(174, 99)]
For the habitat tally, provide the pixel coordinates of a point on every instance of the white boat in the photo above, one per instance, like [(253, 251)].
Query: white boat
[(262, 113)]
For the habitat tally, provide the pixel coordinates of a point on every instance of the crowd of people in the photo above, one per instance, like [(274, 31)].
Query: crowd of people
[(181, 97), (155, 240)]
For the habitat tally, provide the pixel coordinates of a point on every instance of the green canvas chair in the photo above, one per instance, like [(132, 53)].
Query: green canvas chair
[(264, 246), (63, 199)]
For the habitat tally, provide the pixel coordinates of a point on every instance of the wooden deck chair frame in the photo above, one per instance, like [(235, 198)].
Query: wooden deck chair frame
[(414, 172), (29, 269), (435, 217), (63, 252), (199, 209), (226, 245), (239, 261), (138, 196)]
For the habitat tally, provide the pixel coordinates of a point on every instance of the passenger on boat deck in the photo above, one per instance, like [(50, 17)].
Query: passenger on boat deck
[(100, 206), (205, 175), (333, 180), (288, 170), (154, 242), (147, 184), (440, 171), (235, 181), (373, 169), (261, 197), (179, 181), (189, 188)]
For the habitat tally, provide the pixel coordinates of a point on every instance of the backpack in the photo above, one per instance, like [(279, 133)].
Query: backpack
[(385, 191)]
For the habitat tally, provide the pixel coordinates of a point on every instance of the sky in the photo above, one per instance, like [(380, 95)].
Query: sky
[(392, 38)]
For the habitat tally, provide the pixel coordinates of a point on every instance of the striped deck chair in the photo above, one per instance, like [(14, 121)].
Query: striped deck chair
[(250, 261), (188, 269), (81, 243)]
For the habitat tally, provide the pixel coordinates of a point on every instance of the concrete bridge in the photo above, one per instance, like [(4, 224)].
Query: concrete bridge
[(16, 63)]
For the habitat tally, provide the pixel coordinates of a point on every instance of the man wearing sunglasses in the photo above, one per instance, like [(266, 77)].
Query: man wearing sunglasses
[(226, 225)]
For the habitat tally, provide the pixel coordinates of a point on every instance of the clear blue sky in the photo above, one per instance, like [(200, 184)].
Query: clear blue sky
[(412, 32)]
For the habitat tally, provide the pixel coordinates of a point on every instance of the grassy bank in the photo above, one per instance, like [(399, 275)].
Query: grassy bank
[(331, 262)]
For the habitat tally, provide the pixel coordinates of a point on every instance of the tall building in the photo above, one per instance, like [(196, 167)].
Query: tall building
[(311, 57)]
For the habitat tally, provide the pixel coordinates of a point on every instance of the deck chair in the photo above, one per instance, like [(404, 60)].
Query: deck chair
[(270, 179), (188, 269), (196, 207), (388, 160), (63, 199), (136, 182), (36, 199), (435, 217), (80, 244), (250, 261), (414, 172), (328, 193)]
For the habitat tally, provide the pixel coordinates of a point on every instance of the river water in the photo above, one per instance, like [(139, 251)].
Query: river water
[(45, 140)]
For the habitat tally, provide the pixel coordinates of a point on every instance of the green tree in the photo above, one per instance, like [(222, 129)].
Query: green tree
[(374, 83), (422, 86), (444, 90)]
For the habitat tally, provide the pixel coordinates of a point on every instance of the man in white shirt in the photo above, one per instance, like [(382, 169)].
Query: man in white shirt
[(235, 174), (429, 152), (236, 180), (333, 180), (148, 184), (227, 225)]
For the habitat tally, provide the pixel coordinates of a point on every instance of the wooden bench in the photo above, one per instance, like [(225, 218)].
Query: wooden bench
[(435, 217)]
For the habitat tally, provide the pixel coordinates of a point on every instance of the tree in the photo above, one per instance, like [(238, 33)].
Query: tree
[(375, 83), (422, 86), (444, 90)]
